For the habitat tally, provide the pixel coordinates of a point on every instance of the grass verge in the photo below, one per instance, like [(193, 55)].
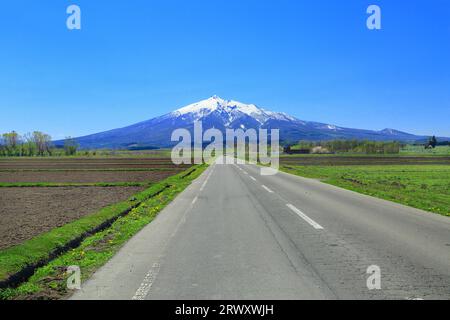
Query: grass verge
[(49, 281), (425, 187)]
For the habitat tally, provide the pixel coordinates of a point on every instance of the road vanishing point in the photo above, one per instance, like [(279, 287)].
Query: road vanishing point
[(236, 235)]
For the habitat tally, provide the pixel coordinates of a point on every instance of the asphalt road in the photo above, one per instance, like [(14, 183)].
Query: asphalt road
[(234, 234)]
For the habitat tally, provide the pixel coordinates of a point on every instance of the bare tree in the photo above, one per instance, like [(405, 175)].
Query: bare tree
[(11, 142), (42, 142), (2, 146), (28, 145)]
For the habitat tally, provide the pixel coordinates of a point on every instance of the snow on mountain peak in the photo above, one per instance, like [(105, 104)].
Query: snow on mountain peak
[(214, 103), (233, 109)]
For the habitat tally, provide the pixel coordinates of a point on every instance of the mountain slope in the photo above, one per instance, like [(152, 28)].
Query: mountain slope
[(222, 114)]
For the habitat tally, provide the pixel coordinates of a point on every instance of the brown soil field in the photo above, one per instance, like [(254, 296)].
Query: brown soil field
[(361, 160), (28, 212), (86, 163), (85, 176)]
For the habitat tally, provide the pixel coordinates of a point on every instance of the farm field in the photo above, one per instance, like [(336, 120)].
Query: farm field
[(84, 176), (337, 160), (40, 194), (423, 186), (420, 150), (71, 164), (28, 212), (45, 228)]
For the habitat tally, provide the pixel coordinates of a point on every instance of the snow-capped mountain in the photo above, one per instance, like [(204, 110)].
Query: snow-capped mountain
[(229, 111), (222, 114)]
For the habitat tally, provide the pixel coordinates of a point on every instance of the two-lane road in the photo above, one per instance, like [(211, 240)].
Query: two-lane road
[(234, 234)]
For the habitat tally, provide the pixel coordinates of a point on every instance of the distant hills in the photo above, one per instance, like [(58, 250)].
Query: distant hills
[(222, 114)]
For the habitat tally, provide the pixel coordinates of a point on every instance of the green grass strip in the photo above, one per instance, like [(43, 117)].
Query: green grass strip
[(95, 250), (425, 187)]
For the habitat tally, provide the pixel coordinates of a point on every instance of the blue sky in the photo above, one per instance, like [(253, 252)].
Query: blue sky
[(134, 60)]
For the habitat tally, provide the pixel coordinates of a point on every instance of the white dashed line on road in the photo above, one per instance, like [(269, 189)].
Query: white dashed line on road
[(147, 283), (267, 189), (252, 178), (305, 217)]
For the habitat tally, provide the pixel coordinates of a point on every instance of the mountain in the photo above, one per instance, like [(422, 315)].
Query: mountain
[(222, 114)]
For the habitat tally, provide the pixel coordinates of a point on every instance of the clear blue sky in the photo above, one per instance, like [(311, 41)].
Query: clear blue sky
[(134, 60)]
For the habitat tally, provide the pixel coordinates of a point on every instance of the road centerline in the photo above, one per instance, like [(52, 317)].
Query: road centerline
[(267, 189), (305, 217)]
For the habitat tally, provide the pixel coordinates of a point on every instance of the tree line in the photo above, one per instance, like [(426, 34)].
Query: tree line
[(356, 146), (32, 144)]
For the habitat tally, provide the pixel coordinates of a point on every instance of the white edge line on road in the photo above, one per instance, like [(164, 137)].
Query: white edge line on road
[(206, 181), (305, 217), (146, 285), (267, 189)]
